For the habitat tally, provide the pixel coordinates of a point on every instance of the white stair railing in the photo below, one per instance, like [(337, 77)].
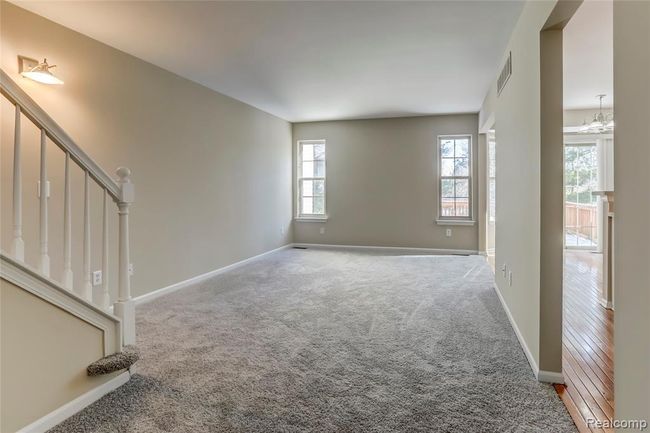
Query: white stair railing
[(121, 191), (17, 243)]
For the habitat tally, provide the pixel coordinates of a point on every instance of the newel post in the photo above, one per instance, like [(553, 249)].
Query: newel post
[(124, 308)]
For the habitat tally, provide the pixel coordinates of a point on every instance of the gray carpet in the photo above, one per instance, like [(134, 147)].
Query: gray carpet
[(115, 362), (331, 341)]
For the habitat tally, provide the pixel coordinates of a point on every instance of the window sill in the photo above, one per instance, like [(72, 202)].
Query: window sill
[(455, 222), (311, 219)]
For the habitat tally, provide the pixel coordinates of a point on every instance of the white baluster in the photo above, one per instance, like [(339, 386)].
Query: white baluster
[(67, 228), (124, 308), (87, 292), (17, 245), (105, 299), (44, 193)]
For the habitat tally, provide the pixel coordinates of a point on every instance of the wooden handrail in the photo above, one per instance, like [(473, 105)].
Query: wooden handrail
[(40, 118)]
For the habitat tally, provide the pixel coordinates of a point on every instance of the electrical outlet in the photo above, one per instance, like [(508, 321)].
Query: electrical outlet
[(448, 233), (97, 278), (131, 269), (510, 278), (322, 230)]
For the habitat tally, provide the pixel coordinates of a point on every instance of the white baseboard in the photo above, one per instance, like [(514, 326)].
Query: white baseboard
[(540, 375), (197, 279), (550, 377), (606, 304), (520, 337), (67, 410), (436, 251)]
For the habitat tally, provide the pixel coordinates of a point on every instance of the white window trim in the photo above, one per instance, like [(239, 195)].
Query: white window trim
[(310, 217), (491, 218), (455, 220)]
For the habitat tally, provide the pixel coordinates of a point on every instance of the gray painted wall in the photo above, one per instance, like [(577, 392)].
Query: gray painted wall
[(516, 112), (517, 115), (632, 209), (381, 182), (31, 390), (212, 174)]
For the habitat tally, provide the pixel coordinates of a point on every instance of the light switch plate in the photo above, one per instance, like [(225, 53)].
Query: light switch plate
[(26, 63)]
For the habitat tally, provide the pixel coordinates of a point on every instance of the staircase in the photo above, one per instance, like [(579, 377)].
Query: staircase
[(112, 309), (115, 362)]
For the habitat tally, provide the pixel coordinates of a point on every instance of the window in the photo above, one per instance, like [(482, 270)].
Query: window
[(455, 168), (311, 179), (492, 173), (492, 193)]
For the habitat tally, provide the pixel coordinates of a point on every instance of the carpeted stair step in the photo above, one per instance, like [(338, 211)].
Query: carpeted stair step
[(114, 362)]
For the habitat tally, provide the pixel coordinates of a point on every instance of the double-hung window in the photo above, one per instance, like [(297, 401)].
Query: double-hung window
[(311, 179), (492, 179), (455, 177)]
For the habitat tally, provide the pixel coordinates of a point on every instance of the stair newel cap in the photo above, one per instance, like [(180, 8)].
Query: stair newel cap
[(124, 180)]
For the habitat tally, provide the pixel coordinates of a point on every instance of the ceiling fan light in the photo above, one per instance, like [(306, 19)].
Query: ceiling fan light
[(600, 123)]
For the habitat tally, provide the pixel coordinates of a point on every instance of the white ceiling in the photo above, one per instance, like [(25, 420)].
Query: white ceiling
[(589, 55), (305, 61)]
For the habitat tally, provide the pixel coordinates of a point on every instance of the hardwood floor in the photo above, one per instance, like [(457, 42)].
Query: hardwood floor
[(588, 343)]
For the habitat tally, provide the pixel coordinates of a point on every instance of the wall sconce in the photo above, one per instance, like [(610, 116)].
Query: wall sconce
[(37, 71)]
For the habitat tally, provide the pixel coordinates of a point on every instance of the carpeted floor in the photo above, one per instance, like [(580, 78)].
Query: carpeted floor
[(331, 341)]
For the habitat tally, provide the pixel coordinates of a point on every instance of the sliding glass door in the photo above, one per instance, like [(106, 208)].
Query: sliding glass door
[(580, 205)]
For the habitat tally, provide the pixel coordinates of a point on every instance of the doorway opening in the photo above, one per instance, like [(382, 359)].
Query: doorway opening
[(587, 314)]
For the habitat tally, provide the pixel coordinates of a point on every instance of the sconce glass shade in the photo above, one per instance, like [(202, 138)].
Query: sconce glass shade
[(41, 73)]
